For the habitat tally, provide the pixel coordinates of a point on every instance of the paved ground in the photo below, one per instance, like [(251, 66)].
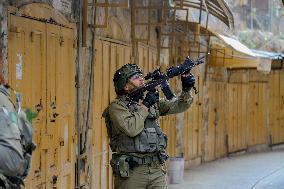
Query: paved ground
[(263, 170)]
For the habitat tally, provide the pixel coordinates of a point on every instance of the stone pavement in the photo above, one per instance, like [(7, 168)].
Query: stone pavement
[(263, 170)]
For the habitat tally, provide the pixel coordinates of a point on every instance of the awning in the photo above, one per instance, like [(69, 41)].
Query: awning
[(272, 59), (269, 55), (237, 45), (242, 57), (218, 8)]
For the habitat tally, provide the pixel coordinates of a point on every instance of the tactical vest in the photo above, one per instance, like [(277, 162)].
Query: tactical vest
[(151, 139), (16, 136), (9, 131)]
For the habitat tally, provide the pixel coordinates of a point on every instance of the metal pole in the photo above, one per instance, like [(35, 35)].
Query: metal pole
[(251, 15), (84, 23), (134, 58), (79, 55)]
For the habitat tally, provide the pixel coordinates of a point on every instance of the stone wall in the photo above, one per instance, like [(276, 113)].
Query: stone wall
[(3, 40)]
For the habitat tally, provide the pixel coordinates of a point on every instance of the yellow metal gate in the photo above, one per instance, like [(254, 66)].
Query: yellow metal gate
[(237, 116), (276, 107), (215, 146), (41, 67), (257, 113)]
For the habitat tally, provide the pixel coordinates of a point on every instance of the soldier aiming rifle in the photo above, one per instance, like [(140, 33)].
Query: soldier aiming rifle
[(132, 120)]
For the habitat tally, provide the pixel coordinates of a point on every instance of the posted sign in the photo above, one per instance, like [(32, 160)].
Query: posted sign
[(63, 5)]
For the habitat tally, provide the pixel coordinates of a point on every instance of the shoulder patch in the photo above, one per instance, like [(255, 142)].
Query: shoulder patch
[(119, 102)]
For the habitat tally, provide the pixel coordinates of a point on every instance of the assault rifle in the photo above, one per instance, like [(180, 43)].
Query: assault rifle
[(157, 77)]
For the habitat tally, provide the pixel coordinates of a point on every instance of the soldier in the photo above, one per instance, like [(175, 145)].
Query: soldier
[(12, 162), (136, 139)]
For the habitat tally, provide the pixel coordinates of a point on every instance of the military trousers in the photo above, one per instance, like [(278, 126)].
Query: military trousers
[(11, 164), (149, 176)]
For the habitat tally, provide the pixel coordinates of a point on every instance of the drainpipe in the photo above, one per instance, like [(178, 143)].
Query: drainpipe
[(134, 57), (79, 60), (251, 15)]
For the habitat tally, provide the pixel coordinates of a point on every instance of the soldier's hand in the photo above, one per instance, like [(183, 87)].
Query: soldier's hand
[(187, 81), (151, 98)]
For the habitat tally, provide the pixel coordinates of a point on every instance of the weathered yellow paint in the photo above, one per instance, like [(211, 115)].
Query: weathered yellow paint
[(243, 114), (219, 120), (276, 101), (192, 124), (97, 127), (168, 124), (281, 114), (46, 78), (42, 11), (227, 57), (237, 115), (274, 106), (105, 102), (31, 59), (216, 124), (257, 114), (211, 137), (238, 109), (61, 106), (200, 103)]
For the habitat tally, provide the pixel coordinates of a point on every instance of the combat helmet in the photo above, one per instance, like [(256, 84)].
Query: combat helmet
[(122, 76)]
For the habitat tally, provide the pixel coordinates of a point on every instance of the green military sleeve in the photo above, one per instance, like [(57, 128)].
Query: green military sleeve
[(176, 105), (130, 123)]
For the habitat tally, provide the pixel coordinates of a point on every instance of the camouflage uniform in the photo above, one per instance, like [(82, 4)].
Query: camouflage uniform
[(137, 140), (12, 162)]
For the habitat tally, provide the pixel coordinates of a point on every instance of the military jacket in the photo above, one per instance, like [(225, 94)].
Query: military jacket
[(9, 134), (134, 129)]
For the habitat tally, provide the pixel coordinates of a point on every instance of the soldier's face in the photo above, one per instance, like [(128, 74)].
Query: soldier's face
[(135, 81)]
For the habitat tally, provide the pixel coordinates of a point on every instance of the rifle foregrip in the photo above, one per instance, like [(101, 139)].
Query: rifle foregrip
[(167, 92), (174, 71)]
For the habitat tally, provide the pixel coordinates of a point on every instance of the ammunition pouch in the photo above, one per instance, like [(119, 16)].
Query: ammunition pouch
[(10, 182), (120, 165), (163, 156)]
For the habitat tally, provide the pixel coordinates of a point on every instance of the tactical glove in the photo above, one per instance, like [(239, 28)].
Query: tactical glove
[(187, 82), (151, 98)]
